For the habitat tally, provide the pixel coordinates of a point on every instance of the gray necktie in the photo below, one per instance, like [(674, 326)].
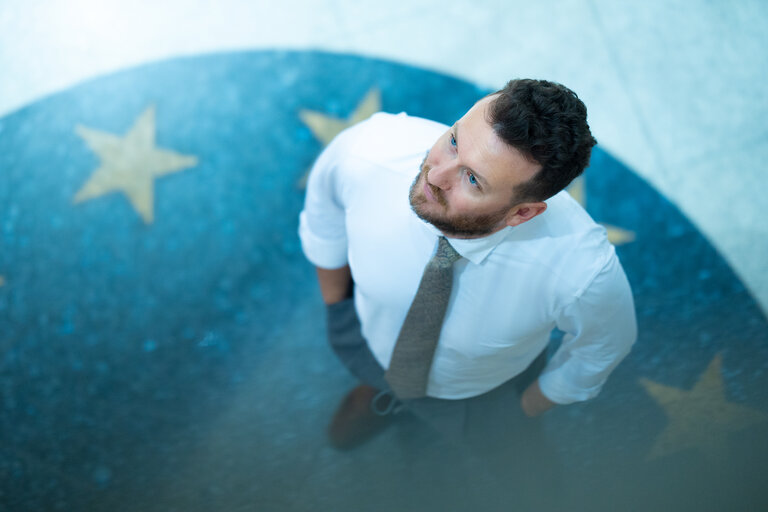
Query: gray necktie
[(412, 357)]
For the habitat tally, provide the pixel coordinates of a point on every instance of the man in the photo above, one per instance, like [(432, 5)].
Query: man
[(485, 209)]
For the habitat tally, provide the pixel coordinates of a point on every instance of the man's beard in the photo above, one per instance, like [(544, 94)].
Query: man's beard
[(458, 226)]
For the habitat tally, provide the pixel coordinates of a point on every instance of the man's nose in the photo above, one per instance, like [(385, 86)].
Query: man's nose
[(442, 175)]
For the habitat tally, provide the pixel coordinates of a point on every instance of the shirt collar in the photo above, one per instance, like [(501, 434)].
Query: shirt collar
[(473, 249)]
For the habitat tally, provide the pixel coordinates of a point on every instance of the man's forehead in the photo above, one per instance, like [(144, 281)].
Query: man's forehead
[(480, 106), (488, 154)]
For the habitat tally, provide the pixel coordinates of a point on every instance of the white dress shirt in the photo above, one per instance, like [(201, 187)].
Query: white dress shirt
[(510, 289)]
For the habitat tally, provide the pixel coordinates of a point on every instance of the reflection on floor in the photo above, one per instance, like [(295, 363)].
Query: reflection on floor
[(162, 339)]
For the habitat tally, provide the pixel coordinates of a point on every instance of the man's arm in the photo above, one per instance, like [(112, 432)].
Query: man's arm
[(600, 328), (322, 228), (335, 284)]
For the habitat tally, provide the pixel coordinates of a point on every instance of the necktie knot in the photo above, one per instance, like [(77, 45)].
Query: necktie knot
[(446, 255)]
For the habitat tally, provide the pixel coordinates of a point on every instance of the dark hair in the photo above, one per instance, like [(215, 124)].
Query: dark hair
[(547, 122)]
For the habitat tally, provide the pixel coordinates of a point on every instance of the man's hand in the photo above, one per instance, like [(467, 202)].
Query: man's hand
[(534, 402)]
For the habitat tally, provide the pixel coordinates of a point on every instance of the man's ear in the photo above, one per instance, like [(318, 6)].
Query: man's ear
[(524, 212)]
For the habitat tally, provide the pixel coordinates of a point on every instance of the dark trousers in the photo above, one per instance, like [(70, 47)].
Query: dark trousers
[(519, 467), (487, 419)]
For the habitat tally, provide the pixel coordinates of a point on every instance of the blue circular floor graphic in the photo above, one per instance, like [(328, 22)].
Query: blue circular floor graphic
[(162, 339)]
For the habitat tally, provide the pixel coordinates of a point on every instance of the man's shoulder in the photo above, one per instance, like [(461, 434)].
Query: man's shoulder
[(386, 137), (564, 239), (567, 216), (563, 220)]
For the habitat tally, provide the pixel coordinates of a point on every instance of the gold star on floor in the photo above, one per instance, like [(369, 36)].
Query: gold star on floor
[(130, 164), (325, 127), (700, 418), (616, 235)]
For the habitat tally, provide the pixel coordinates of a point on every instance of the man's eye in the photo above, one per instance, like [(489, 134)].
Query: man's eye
[(472, 179), (453, 141)]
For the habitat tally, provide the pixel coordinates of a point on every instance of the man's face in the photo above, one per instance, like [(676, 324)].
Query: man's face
[(467, 181)]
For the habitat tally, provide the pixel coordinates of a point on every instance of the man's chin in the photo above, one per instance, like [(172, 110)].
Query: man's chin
[(444, 226), (417, 205), (454, 228), (465, 229)]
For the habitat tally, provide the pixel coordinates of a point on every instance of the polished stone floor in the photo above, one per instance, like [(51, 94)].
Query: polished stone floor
[(173, 358), (162, 339)]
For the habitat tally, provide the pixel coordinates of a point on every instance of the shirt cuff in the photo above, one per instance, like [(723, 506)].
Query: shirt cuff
[(553, 386), (322, 252)]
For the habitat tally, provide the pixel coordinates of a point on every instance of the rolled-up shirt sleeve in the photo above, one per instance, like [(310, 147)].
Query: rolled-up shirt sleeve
[(322, 228), (600, 328)]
